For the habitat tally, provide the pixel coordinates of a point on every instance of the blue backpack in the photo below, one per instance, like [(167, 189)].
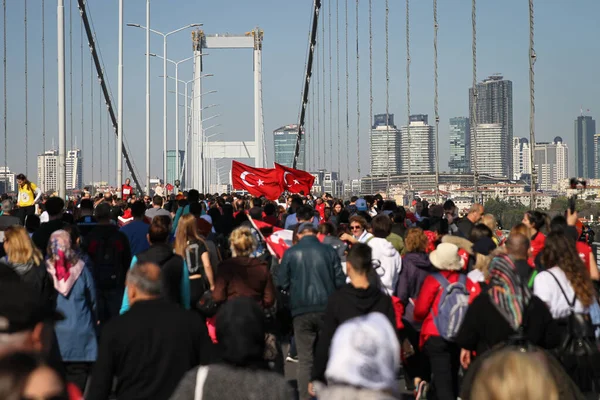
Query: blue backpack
[(452, 306)]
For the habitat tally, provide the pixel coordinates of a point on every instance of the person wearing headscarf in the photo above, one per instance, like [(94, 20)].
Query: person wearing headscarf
[(505, 309), (77, 340)]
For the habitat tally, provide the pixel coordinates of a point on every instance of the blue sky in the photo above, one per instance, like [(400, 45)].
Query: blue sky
[(566, 47)]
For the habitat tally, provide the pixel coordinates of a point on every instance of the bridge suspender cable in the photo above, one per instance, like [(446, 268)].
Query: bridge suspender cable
[(347, 99), (100, 73), (322, 61), (100, 116), (92, 83), (408, 96), (337, 70), (357, 101), (318, 84), (43, 182), (5, 104), (532, 59), (387, 94), (474, 100), (371, 74), (435, 102), (71, 133), (26, 96), (330, 133)]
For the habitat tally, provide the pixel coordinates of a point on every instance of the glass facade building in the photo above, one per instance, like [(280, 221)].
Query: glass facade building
[(585, 129), (385, 146), (421, 146), (172, 172), (495, 106), (459, 145), (284, 140)]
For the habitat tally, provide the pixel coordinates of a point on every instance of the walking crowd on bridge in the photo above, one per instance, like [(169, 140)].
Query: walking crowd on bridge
[(194, 296)]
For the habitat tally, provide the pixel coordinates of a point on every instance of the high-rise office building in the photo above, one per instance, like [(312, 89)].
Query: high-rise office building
[(585, 129), (284, 140), (420, 144), (585, 163), (495, 106), (385, 146), (172, 171), (459, 145), (490, 161), (74, 166), (551, 164), (521, 157), (597, 155), (48, 170), (7, 180)]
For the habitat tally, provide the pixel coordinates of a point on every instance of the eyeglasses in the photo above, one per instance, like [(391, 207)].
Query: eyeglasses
[(355, 227)]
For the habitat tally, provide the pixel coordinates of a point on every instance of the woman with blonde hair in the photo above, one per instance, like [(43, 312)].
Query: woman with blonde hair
[(243, 276), (193, 249), (27, 261)]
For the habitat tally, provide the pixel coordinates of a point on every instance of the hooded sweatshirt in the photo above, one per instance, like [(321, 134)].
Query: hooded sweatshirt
[(346, 303), (390, 263)]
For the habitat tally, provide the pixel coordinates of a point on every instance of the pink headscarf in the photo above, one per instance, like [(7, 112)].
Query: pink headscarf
[(63, 263)]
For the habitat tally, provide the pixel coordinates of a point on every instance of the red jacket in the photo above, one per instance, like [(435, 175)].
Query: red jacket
[(321, 209), (428, 300), (584, 251), (537, 244)]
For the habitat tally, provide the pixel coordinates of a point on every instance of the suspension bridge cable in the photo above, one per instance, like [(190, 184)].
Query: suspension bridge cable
[(330, 93), (26, 95), (5, 105), (324, 133), (357, 100), (435, 101), (100, 132), (92, 116), (474, 100), (71, 72), (387, 89), (347, 99), (408, 94), (532, 59), (337, 70), (82, 108), (318, 84), (108, 149), (43, 181), (371, 74)]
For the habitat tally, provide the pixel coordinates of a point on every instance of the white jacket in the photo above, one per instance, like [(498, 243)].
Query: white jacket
[(390, 263)]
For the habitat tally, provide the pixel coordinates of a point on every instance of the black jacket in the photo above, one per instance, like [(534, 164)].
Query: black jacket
[(112, 236), (484, 326), (310, 271), (171, 266), (149, 349), (41, 237), (347, 303)]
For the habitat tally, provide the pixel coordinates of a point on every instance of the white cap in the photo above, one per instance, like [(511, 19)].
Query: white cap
[(365, 353)]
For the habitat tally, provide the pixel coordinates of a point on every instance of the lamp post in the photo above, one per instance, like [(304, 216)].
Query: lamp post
[(165, 36), (202, 148), (177, 81)]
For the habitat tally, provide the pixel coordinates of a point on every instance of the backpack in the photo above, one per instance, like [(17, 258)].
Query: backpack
[(578, 352), (106, 258), (452, 305)]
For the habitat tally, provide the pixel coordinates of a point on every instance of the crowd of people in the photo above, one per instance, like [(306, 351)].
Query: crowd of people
[(183, 297)]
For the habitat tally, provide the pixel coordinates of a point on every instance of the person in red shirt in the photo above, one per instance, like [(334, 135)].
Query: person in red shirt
[(535, 221), (443, 354), (126, 190), (320, 207)]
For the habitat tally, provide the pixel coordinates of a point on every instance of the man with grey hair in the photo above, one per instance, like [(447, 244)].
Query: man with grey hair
[(150, 347), (7, 218), (466, 224)]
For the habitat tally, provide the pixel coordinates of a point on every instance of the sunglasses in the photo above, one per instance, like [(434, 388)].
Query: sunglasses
[(355, 227)]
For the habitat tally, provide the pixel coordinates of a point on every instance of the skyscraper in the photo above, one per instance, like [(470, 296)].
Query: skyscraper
[(385, 141), (490, 161), (284, 140), (172, 171), (585, 129), (459, 145), (495, 106), (48, 170), (521, 157), (421, 146), (551, 163), (74, 164)]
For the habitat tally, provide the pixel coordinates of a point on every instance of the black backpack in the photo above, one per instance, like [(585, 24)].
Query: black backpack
[(106, 258), (578, 352)]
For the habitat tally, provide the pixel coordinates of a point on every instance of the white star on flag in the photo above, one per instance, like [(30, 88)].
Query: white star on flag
[(296, 182), (261, 182)]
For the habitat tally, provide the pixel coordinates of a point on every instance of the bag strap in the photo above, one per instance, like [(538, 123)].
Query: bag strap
[(570, 303), (200, 379), (441, 280), (462, 278)]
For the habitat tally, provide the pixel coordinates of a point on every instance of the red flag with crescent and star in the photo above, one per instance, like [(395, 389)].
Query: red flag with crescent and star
[(295, 180), (257, 181)]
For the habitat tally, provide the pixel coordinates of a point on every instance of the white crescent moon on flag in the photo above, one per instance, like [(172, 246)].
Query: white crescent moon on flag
[(284, 178), (243, 178)]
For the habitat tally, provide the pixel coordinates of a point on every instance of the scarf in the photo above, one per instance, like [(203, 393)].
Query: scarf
[(507, 292), (63, 263)]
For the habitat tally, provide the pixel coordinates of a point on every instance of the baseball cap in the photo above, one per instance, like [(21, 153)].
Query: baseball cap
[(21, 308), (361, 205), (365, 353)]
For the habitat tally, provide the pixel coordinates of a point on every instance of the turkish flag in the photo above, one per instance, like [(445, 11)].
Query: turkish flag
[(295, 180), (257, 181)]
